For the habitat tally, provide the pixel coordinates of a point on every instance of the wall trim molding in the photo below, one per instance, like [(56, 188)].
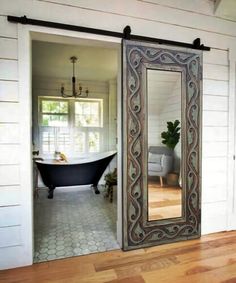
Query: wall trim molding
[(231, 196)]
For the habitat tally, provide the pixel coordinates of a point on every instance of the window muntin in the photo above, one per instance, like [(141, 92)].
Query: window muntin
[(71, 126), (80, 142), (54, 113), (87, 114), (93, 141), (54, 106), (48, 142), (54, 120)]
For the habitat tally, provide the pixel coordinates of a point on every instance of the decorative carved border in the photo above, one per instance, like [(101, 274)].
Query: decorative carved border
[(137, 231)]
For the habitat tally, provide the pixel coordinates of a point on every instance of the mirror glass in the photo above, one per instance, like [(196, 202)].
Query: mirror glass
[(164, 144)]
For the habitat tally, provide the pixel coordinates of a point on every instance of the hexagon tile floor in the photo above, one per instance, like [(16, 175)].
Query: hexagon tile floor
[(75, 222)]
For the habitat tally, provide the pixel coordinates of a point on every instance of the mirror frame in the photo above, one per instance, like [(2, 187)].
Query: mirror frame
[(138, 57)]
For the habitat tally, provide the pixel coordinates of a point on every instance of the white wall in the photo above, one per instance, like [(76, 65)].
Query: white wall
[(112, 115), (173, 20), (172, 112)]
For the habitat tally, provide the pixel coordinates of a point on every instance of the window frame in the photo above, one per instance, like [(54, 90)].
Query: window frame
[(72, 128), (41, 113)]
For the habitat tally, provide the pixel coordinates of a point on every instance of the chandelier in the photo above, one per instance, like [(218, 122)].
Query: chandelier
[(74, 93)]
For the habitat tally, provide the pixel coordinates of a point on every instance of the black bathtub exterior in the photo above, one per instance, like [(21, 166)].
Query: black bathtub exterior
[(62, 175)]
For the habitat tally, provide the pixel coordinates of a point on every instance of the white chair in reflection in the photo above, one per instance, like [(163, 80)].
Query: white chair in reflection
[(160, 161)]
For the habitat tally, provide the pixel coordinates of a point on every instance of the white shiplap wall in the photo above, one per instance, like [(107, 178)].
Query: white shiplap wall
[(10, 209), (174, 20), (215, 140)]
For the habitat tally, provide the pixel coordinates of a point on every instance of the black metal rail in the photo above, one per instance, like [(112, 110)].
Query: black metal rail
[(125, 35)]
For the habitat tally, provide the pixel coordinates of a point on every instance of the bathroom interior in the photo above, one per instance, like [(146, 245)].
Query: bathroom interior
[(74, 128)]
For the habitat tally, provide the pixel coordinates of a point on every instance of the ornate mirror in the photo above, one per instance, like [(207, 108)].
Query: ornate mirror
[(162, 89)]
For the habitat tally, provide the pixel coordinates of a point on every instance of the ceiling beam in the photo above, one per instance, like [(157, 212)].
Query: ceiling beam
[(217, 6)]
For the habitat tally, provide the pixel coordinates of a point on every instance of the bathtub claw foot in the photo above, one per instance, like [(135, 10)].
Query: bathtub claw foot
[(96, 190), (50, 193)]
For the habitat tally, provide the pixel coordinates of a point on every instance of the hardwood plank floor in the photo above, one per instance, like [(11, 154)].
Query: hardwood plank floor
[(211, 259), (163, 202)]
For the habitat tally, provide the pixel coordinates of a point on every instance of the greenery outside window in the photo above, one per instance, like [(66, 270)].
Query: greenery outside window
[(70, 125)]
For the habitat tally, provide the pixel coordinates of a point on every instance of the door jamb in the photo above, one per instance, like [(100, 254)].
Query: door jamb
[(231, 174)]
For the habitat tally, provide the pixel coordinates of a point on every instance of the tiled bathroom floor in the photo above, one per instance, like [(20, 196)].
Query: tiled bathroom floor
[(75, 222)]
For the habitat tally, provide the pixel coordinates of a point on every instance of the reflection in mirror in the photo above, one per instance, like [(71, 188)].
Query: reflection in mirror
[(164, 144)]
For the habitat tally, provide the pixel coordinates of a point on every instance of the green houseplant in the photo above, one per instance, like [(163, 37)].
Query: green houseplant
[(111, 180), (172, 135)]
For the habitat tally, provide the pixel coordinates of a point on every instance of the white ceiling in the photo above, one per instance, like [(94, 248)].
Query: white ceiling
[(95, 63)]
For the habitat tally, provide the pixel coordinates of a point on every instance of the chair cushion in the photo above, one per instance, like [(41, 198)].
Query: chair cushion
[(154, 167), (154, 158)]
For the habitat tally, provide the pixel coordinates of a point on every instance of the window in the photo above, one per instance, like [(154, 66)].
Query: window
[(87, 114), (88, 123), (54, 113), (69, 125)]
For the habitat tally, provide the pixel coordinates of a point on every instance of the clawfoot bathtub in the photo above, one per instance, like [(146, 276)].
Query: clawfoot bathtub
[(75, 172)]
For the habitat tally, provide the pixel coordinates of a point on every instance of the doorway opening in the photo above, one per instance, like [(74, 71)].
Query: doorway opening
[(72, 131)]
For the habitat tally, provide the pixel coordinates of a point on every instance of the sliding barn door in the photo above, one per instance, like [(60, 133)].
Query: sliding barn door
[(162, 91)]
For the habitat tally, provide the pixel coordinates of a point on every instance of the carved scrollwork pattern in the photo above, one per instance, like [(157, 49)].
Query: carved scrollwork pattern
[(137, 56)]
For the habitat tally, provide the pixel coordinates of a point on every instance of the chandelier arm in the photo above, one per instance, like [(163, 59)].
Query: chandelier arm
[(64, 94), (74, 93)]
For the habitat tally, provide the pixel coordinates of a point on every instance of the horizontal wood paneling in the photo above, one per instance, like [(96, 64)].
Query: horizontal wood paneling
[(9, 195), (215, 149), (214, 164), (9, 133), (216, 103), (200, 6), (216, 56), (214, 194), (215, 87), (214, 134), (9, 175), (10, 216), (9, 112), (8, 91), (51, 86), (156, 13), (214, 118), (8, 48), (213, 179), (215, 72), (9, 154), (214, 217), (10, 236), (8, 69), (7, 29)]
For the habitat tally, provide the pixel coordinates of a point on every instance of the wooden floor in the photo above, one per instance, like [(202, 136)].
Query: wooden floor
[(211, 259), (163, 202)]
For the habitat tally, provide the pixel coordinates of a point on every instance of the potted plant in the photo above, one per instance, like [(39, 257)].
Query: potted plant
[(170, 139), (111, 180), (172, 135)]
